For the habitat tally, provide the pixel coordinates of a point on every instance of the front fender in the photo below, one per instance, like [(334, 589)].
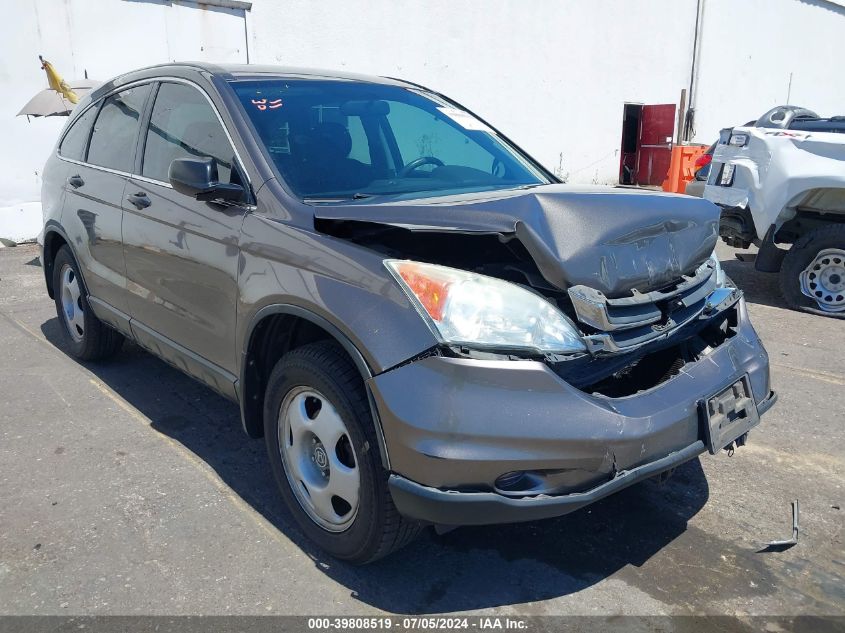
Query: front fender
[(344, 285)]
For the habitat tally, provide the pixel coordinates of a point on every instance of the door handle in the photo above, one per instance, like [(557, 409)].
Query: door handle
[(75, 181), (140, 200)]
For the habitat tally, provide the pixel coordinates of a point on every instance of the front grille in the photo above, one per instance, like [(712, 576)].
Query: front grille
[(627, 322)]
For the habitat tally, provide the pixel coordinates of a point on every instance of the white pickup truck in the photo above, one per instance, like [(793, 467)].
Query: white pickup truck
[(782, 181)]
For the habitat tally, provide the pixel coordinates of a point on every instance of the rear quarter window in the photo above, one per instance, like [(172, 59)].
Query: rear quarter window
[(76, 138)]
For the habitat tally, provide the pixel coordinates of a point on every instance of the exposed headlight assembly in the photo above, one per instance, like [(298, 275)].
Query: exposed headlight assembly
[(465, 308)]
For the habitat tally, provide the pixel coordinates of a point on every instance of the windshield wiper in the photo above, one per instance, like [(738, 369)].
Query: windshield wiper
[(338, 197)]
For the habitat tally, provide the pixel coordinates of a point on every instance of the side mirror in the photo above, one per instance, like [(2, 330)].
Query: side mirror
[(197, 177)]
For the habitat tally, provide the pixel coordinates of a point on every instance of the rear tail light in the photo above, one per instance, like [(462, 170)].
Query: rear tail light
[(703, 161)]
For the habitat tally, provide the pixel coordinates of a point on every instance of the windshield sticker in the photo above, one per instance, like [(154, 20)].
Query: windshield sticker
[(264, 104), (465, 119)]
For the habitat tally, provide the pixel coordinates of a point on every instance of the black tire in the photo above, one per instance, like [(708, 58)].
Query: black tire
[(377, 529), (802, 253), (97, 340)]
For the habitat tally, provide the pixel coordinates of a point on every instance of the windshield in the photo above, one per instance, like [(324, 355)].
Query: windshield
[(335, 139)]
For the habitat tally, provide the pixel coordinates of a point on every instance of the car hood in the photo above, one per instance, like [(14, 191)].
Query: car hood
[(614, 240)]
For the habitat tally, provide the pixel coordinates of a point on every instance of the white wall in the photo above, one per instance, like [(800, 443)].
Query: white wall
[(749, 48), (104, 37), (551, 75)]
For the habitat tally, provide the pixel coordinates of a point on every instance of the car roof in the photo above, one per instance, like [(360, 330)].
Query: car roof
[(235, 72)]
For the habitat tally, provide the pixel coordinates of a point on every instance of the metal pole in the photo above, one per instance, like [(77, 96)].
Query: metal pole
[(690, 114)]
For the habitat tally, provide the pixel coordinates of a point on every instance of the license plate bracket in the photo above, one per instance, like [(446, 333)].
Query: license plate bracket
[(728, 414)]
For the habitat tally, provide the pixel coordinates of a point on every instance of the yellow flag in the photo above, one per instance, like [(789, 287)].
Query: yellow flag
[(57, 83)]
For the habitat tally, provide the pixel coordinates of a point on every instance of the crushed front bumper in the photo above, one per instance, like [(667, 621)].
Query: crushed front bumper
[(453, 427)]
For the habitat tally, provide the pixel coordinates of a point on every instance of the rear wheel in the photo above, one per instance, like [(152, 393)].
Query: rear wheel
[(812, 277), (87, 337), (324, 454)]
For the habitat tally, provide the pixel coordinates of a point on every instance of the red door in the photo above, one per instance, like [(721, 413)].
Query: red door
[(657, 128)]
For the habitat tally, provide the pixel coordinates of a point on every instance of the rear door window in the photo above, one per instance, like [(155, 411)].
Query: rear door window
[(74, 142), (184, 125), (113, 141)]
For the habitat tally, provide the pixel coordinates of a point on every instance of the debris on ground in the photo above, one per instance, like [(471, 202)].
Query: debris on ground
[(781, 546)]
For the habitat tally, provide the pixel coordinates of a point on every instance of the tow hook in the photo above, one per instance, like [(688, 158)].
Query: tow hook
[(740, 441)]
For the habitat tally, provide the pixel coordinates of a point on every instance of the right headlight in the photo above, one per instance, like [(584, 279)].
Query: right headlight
[(465, 308)]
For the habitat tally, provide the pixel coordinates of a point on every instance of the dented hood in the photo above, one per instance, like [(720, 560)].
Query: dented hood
[(611, 239)]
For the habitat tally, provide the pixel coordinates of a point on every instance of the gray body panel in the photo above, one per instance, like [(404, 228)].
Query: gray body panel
[(92, 216), (285, 264), (695, 188), (182, 270)]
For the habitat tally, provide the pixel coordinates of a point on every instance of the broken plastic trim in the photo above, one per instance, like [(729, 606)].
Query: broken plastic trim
[(603, 313), (718, 300), (780, 546), (616, 376)]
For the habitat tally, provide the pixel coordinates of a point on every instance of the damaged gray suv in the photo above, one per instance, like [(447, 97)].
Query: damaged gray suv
[(425, 326)]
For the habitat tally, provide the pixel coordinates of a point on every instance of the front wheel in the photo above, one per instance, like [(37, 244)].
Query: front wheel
[(812, 277), (325, 458)]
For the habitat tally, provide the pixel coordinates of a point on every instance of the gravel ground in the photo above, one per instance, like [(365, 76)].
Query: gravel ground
[(127, 488)]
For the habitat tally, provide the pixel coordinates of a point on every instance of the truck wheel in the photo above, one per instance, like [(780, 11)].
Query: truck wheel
[(87, 337), (812, 277), (325, 456)]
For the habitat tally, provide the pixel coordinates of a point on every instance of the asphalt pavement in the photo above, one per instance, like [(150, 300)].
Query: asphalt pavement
[(128, 488)]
